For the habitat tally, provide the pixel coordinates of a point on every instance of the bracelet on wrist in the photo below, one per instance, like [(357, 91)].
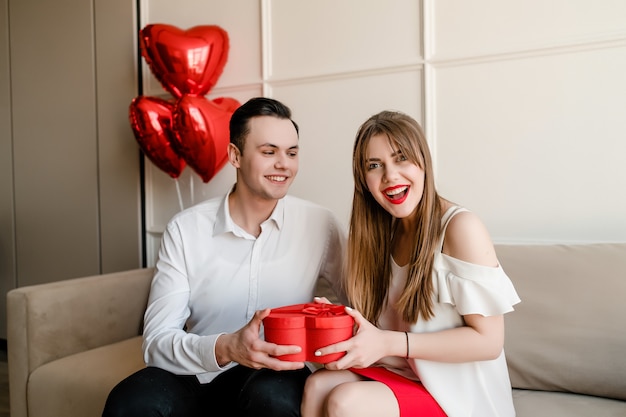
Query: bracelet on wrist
[(406, 334)]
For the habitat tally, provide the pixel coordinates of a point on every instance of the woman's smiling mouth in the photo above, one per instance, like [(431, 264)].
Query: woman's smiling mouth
[(397, 194)]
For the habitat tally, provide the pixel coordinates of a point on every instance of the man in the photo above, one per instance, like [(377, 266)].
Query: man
[(222, 264)]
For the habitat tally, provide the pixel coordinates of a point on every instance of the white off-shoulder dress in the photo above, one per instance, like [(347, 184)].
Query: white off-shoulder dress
[(470, 389)]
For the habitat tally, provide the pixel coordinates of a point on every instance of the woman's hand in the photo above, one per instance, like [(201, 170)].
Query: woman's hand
[(368, 345)]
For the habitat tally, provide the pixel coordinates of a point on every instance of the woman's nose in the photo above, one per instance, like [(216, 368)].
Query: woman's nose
[(389, 173)]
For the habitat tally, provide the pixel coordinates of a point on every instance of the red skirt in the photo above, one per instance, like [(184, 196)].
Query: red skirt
[(412, 397)]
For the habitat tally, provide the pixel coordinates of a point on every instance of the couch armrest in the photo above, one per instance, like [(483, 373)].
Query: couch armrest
[(49, 321)]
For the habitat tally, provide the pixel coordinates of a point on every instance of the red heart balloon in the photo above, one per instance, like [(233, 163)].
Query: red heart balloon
[(185, 61), (151, 121), (202, 132)]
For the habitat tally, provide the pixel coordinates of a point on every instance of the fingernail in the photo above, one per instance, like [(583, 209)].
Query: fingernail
[(318, 353), (316, 298), (348, 308)]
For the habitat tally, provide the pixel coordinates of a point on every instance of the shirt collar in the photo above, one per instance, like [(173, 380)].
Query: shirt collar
[(224, 222), (278, 215)]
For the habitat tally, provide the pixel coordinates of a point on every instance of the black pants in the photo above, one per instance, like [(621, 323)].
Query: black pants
[(237, 392)]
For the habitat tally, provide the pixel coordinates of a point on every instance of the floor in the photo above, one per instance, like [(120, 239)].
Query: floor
[(4, 380)]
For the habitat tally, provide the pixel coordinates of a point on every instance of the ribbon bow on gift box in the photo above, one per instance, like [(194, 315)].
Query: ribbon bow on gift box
[(311, 326), (323, 310)]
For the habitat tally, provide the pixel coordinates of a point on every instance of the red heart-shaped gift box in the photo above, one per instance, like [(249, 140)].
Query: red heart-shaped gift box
[(311, 326)]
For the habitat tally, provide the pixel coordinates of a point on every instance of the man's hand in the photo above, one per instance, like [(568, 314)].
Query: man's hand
[(321, 300), (246, 348)]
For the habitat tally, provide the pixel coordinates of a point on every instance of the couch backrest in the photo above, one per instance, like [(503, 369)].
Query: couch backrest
[(54, 320), (569, 332)]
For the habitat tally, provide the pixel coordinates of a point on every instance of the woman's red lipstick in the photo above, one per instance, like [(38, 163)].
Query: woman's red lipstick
[(396, 194)]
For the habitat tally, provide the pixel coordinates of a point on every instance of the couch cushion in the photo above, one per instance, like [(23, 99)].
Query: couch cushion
[(79, 384), (567, 334), (557, 404)]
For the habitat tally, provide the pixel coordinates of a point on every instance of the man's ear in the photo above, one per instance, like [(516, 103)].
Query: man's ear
[(234, 155)]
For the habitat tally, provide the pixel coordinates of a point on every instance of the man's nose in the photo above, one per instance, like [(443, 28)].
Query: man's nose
[(281, 161)]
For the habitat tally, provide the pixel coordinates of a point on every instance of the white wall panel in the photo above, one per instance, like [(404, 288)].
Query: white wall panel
[(310, 38), (480, 27), (329, 114), (536, 145), (240, 18), (166, 196)]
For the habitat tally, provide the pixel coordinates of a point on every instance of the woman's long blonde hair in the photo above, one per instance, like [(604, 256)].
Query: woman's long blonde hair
[(368, 274)]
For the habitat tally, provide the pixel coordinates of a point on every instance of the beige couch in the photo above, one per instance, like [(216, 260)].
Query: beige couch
[(566, 341), (70, 342)]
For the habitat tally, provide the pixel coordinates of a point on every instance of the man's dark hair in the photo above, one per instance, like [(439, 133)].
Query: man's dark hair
[(255, 107)]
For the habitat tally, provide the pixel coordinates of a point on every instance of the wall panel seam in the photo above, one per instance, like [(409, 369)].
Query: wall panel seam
[(266, 45), (619, 42), (429, 84), (345, 75)]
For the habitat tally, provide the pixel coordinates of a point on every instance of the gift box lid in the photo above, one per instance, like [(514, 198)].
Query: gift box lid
[(311, 315), (284, 321)]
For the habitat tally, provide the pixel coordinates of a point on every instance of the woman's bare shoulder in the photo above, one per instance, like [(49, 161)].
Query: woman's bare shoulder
[(468, 239)]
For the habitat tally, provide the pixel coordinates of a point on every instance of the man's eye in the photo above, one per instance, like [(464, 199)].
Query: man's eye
[(293, 154), (268, 152)]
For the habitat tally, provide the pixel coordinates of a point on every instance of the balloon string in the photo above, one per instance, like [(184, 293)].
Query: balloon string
[(191, 191), (180, 198)]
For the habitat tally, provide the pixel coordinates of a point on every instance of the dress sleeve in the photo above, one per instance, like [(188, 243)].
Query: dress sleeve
[(473, 289)]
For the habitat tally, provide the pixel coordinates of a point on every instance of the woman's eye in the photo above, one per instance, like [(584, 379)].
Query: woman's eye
[(401, 158), (373, 165)]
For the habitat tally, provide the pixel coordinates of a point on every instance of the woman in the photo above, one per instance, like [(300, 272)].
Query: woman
[(427, 290)]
